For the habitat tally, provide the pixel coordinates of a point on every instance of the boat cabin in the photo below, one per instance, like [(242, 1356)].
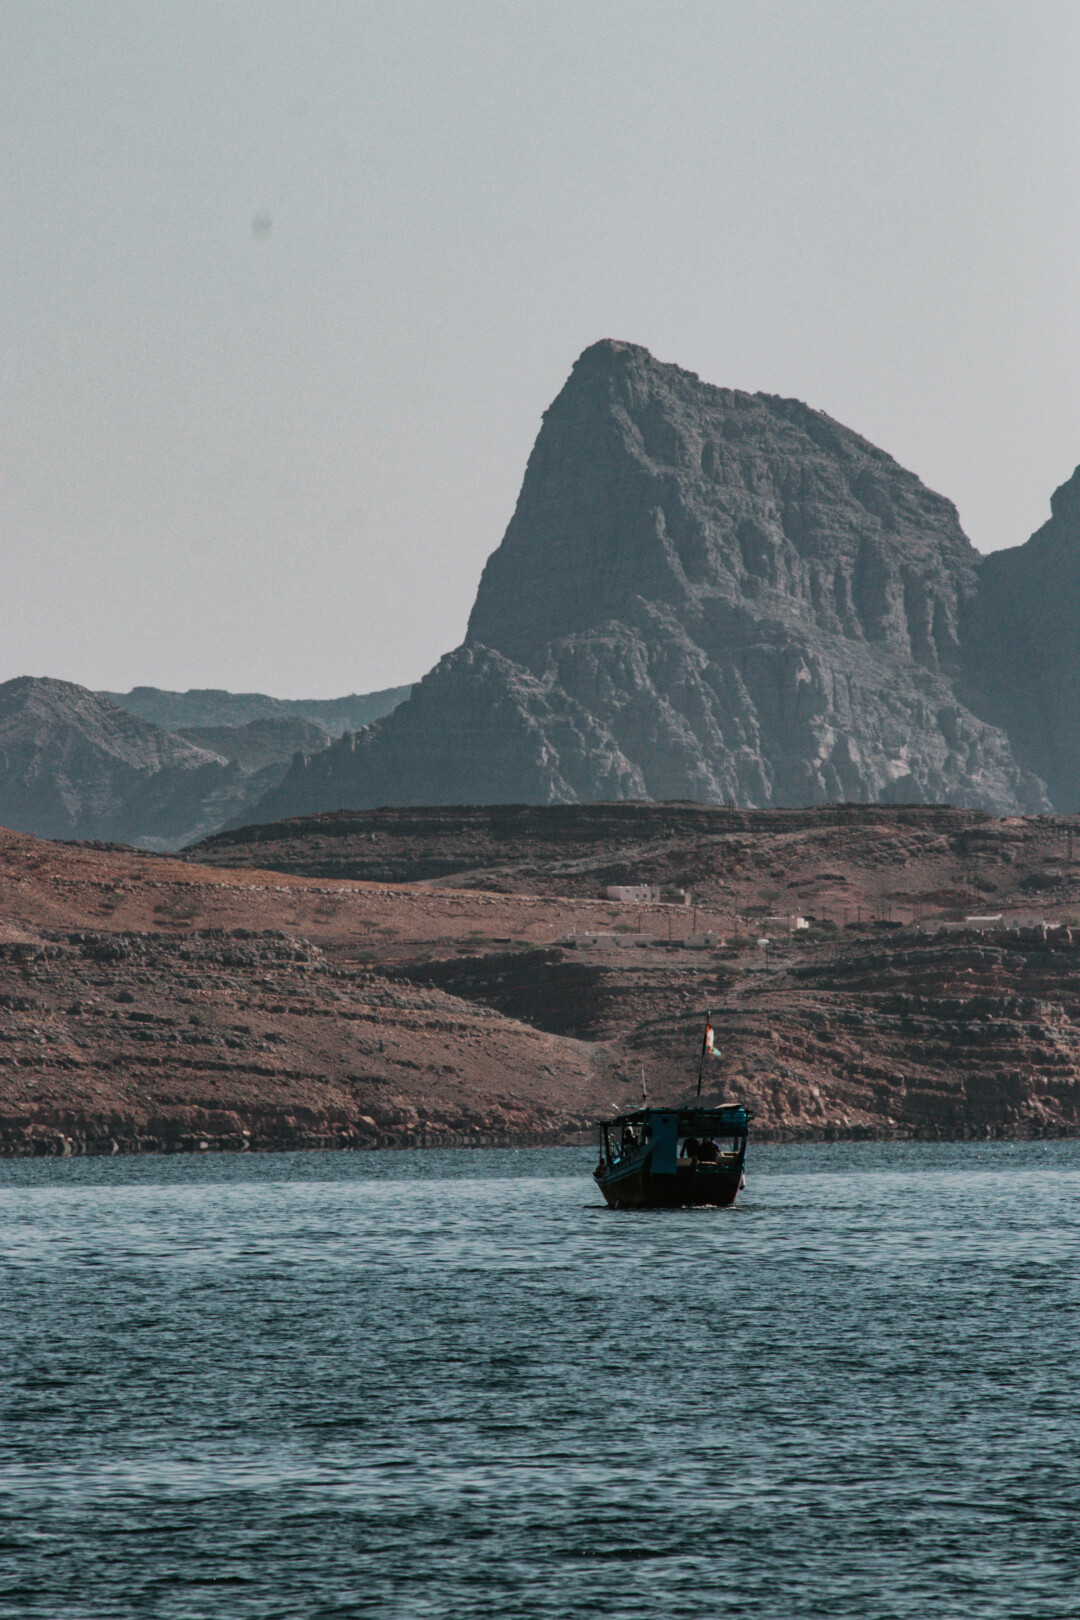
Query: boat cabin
[(673, 1156)]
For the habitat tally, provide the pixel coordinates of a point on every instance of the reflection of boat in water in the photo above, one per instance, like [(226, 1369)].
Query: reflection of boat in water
[(668, 1158)]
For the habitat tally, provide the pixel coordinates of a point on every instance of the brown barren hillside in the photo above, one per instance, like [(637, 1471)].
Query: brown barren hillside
[(849, 863), (152, 1003)]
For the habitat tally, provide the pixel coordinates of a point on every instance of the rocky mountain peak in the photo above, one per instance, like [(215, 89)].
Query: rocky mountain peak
[(647, 485), (714, 595)]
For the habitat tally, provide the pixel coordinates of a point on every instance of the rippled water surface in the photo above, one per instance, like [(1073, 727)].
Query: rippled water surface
[(452, 1384)]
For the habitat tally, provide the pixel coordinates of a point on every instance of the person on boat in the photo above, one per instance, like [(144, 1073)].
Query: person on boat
[(691, 1148), (707, 1151)]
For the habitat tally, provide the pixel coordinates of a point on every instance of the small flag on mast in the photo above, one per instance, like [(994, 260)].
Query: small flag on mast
[(707, 1049)]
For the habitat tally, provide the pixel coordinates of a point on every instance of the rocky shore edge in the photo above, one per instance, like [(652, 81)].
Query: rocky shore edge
[(77, 1138)]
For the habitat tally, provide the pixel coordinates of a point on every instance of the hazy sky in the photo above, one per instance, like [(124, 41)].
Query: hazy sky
[(286, 287)]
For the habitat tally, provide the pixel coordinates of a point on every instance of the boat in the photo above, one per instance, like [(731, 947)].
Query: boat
[(674, 1158), (671, 1158)]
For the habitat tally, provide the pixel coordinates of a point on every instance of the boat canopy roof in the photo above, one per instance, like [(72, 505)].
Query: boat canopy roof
[(727, 1120)]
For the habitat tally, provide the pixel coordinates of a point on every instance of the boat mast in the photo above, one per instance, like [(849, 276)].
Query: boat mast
[(704, 1049)]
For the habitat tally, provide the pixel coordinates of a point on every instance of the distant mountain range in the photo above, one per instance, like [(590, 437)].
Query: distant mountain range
[(174, 711), (77, 764), (710, 595)]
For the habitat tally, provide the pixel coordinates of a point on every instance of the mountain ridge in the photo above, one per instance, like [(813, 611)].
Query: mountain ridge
[(76, 765), (213, 706)]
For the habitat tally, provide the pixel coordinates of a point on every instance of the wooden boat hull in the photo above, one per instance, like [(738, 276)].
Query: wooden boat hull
[(638, 1188)]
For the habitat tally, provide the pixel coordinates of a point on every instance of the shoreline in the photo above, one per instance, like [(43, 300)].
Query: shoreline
[(45, 1142)]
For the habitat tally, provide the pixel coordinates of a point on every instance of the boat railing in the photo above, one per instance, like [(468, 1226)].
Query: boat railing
[(723, 1121)]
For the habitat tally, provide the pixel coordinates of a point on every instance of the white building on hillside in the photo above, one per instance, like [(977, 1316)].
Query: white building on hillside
[(634, 894)]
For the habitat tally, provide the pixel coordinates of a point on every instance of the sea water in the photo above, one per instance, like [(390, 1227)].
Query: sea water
[(455, 1385)]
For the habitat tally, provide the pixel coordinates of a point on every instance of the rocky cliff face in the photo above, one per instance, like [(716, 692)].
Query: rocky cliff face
[(1022, 644), (711, 595)]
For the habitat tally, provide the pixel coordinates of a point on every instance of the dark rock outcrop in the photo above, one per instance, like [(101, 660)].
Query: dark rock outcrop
[(581, 848), (479, 729), (711, 595), (1022, 642)]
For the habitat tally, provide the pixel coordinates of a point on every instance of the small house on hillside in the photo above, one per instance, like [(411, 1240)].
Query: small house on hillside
[(634, 894)]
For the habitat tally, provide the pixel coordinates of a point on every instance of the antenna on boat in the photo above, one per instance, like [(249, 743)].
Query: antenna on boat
[(644, 1093), (706, 1044)]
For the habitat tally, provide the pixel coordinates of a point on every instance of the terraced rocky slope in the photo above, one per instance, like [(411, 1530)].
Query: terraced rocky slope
[(152, 1004), (847, 862)]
